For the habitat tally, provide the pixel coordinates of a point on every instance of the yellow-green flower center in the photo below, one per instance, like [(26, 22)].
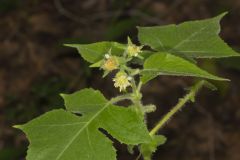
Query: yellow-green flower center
[(133, 50), (110, 64)]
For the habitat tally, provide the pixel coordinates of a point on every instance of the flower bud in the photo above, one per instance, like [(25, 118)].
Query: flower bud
[(132, 49), (149, 108)]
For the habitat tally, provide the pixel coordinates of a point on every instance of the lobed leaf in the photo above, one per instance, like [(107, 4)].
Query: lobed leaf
[(61, 135), (167, 64), (193, 39), (94, 52)]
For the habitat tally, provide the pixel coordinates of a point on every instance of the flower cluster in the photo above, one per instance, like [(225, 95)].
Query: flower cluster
[(111, 62)]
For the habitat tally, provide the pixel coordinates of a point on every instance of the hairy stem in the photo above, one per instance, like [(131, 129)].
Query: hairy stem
[(137, 96), (189, 97), (120, 98)]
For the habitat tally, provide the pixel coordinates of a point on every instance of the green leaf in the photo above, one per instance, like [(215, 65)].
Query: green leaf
[(210, 86), (97, 64), (167, 64), (193, 39), (147, 149), (61, 135), (94, 52)]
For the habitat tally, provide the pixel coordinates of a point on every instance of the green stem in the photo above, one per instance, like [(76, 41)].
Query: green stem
[(139, 86), (133, 84), (120, 98), (190, 96), (137, 96)]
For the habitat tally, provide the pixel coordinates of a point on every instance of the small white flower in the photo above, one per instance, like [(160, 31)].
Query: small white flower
[(121, 81), (107, 56)]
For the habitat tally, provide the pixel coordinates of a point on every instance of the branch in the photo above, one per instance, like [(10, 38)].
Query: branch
[(189, 97)]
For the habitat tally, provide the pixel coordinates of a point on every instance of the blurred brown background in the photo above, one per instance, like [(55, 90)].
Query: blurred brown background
[(35, 68)]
